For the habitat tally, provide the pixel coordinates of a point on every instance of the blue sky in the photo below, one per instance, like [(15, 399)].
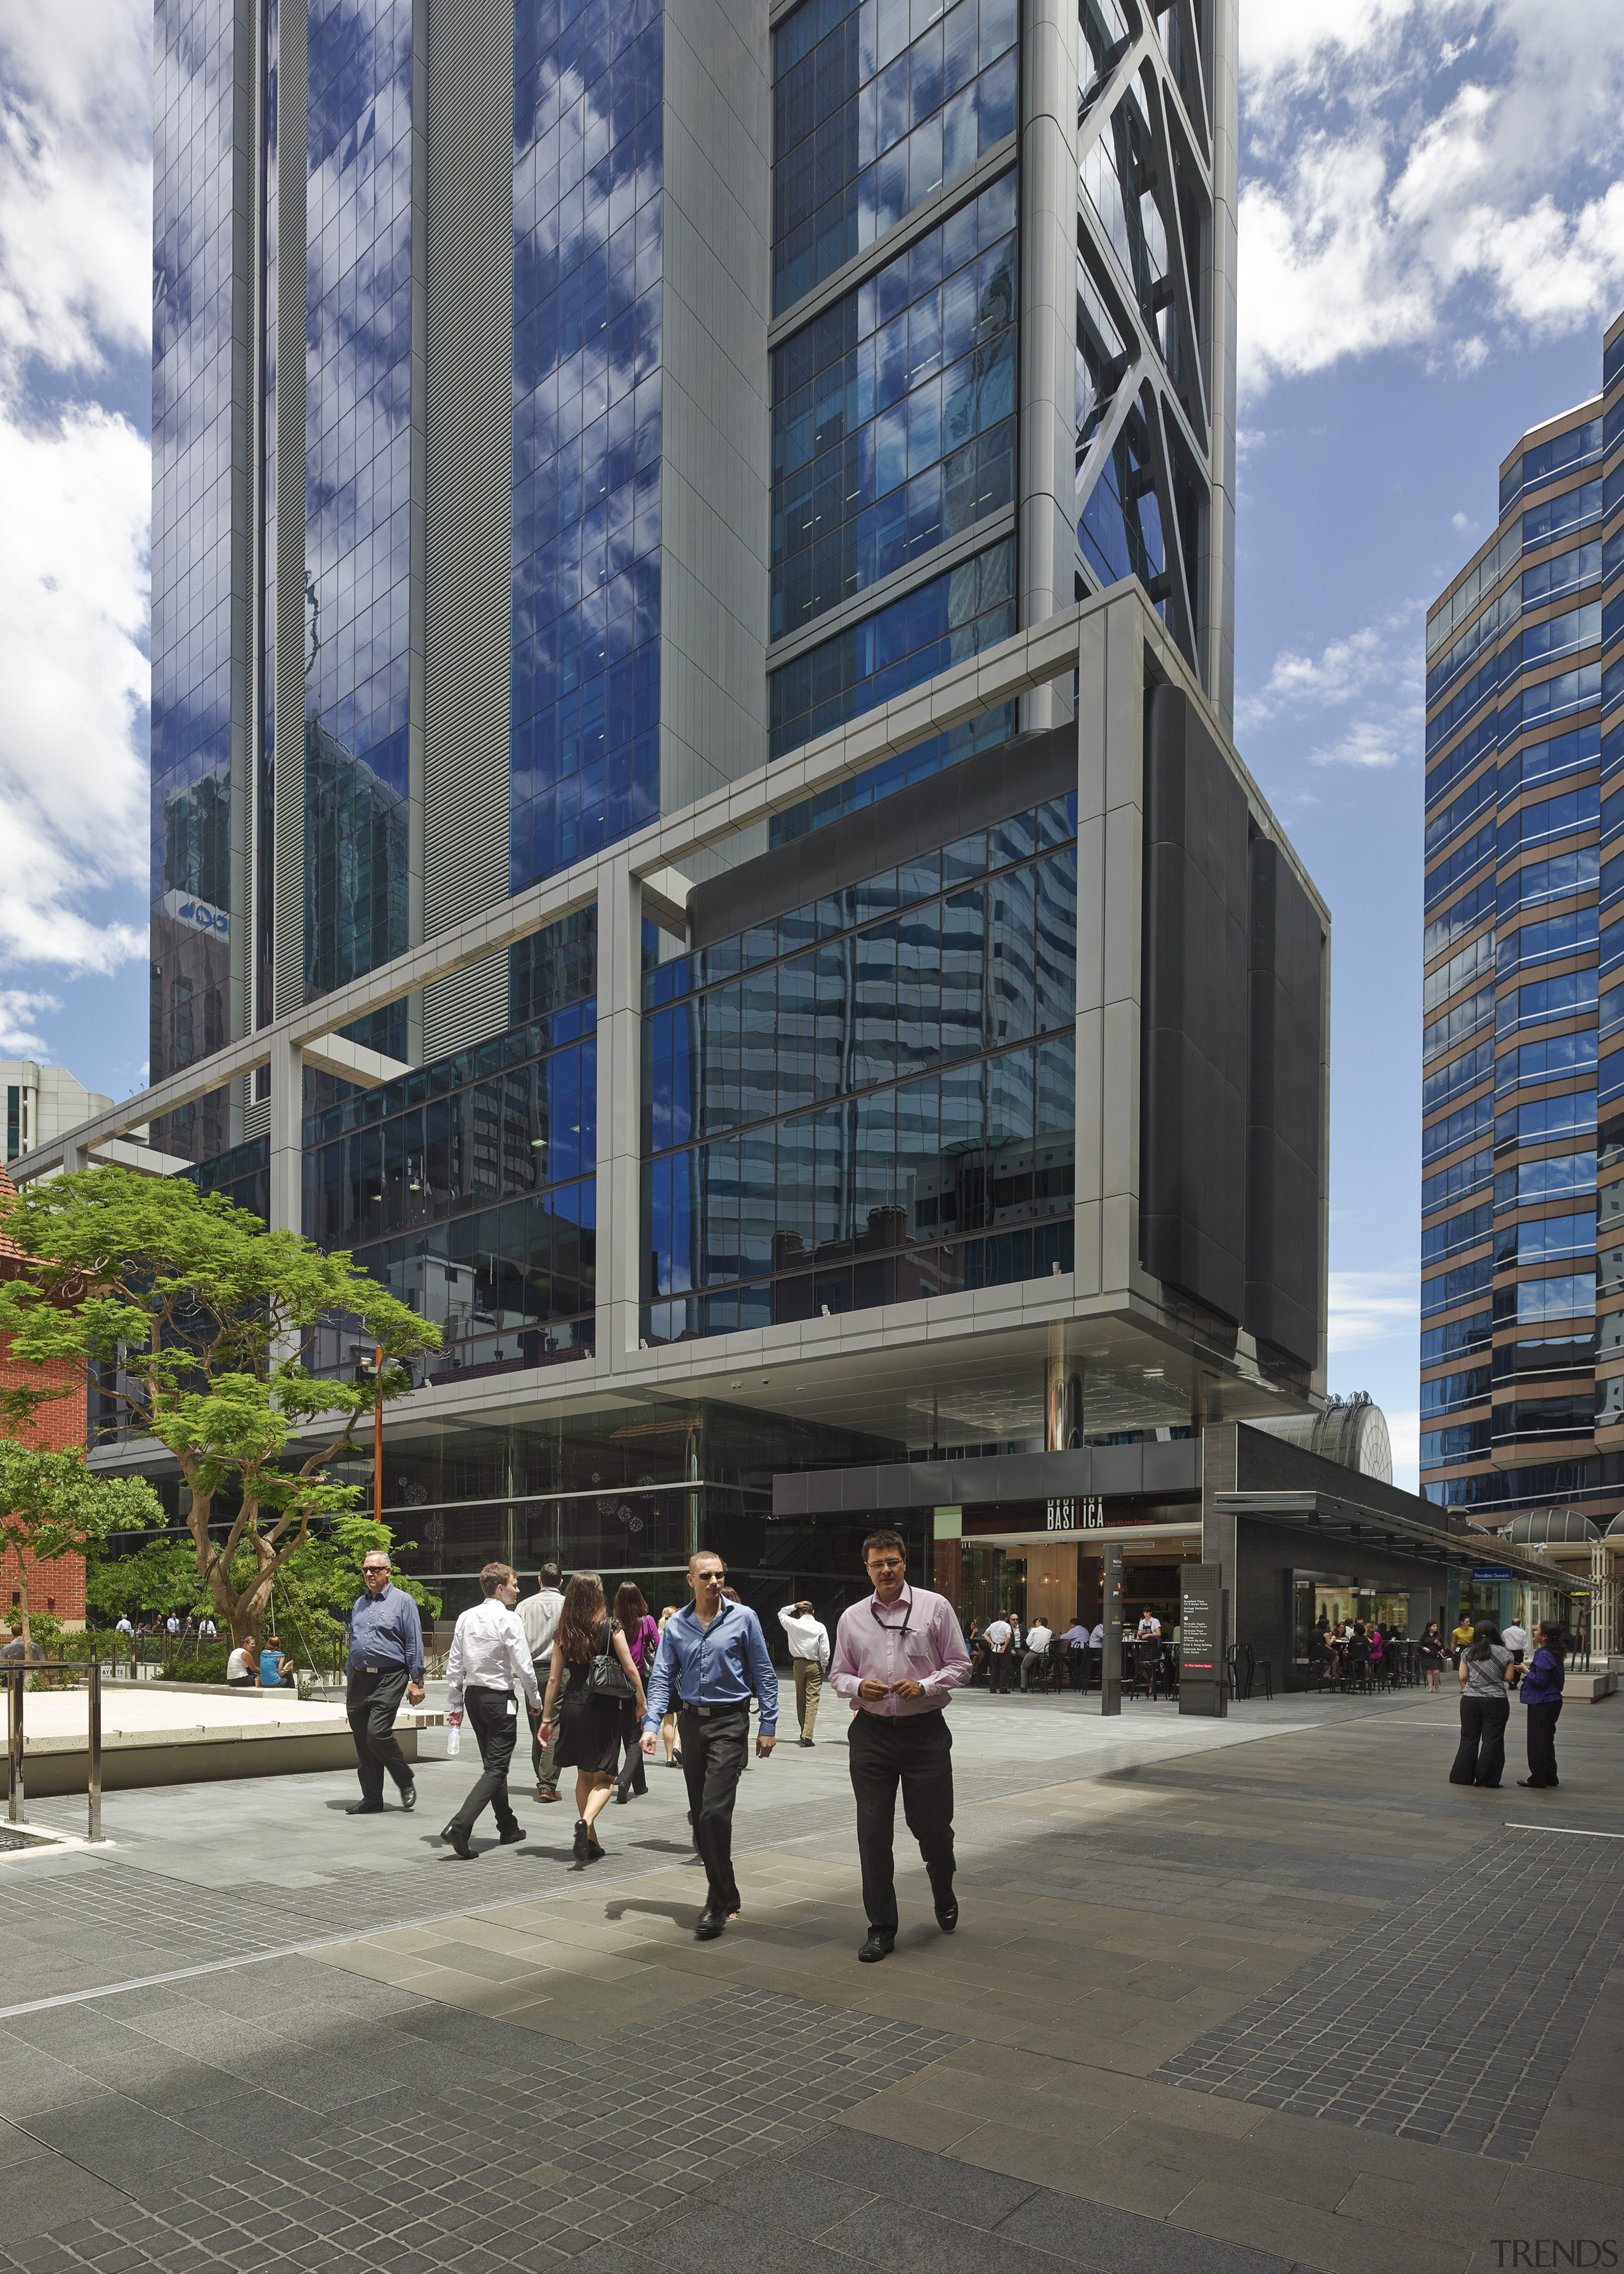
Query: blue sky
[(1432, 241)]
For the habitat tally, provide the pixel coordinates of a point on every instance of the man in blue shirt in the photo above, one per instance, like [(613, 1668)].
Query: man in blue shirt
[(384, 1664), (712, 1656)]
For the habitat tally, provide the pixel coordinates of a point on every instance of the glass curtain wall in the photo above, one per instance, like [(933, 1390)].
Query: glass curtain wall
[(870, 1100), (196, 94), (586, 428), (358, 507)]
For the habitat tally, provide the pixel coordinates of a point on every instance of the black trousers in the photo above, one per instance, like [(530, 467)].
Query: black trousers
[(1003, 1666), (713, 1750), (1481, 1755), (1542, 1742), (494, 1717), (633, 1776), (371, 1702), (916, 1753)]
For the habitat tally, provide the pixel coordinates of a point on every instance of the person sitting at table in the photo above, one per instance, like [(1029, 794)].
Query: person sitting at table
[(1319, 1655), (1036, 1655)]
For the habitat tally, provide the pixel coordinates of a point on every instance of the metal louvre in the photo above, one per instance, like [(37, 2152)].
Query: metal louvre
[(468, 331)]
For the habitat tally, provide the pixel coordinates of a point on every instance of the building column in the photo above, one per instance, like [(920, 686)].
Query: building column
[(619, 1112), (1063, 1396), (1048, 325), (286, 1134)]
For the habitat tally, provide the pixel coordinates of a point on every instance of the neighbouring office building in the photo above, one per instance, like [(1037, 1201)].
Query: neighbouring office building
[(42, 1101), (694, 823), (1523, 1144)]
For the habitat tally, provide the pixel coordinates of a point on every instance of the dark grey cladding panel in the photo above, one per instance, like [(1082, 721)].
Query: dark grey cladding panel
[(1117, 1468), (971, 795), (1193, 1103), (1173, 1467), (792, 1494), (1113, 1470), (1285, 1137)]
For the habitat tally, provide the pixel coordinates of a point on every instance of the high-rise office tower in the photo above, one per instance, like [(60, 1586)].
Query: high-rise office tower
[(1522, 1098), (559, 410), (694, 823)]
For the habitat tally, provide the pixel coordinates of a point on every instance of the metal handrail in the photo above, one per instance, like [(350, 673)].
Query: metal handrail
[(16, 1679)]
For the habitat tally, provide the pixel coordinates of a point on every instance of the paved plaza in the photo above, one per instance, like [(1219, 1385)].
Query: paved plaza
[(1226, 1997)]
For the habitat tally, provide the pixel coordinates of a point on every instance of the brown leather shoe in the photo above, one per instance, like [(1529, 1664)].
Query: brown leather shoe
[(543, 1794)]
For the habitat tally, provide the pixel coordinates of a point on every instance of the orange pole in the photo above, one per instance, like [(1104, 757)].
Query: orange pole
[(378, 1436)]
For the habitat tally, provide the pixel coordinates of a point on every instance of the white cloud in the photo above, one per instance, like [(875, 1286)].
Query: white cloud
[(1404, 1432), (1391, 201), (1464, 522), (20, 1009), (75, 267), (1369, 1307)]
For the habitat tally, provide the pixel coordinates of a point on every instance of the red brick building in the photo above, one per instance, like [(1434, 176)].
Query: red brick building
[(56, 1587)]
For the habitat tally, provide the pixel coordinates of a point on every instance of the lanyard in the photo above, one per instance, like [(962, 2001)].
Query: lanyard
[(886, 1625)]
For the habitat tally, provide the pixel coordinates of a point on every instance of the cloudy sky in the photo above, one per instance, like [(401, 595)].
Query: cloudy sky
[(1432, 240)]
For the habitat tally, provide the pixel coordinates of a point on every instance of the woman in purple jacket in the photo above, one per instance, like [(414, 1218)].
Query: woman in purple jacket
[(1542, 1694)]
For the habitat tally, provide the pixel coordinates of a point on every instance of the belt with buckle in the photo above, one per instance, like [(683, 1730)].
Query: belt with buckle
[(704, 1713)]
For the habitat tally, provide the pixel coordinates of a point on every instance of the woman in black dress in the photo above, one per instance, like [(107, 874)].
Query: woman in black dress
[(1433, 1649), (589, 1720)]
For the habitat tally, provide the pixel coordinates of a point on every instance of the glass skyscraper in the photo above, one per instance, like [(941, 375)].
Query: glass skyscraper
[(571, 423), (1522, 1046)]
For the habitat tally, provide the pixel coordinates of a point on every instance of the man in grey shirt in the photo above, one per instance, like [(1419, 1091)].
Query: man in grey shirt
[(538, 1615)]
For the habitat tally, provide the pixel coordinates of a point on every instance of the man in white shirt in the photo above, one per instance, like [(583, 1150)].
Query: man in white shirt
[(1001, 1642), (1515, 1639), (490, 1658), (1096, 1640), (809, 1655), (1038, 1639), (172, 1626), (208, 1631), (125, 1627), (539, 1615), (1150, 1628)]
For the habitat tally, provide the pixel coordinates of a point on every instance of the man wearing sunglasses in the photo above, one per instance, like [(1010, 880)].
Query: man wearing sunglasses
[(897, 1655)]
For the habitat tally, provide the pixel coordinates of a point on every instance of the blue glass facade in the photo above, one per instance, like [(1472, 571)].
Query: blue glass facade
[(942, 622), (195, 447), (1522, 750), (586, 432), (876, 105), (893, 423), (357, 511), (872, 1099)]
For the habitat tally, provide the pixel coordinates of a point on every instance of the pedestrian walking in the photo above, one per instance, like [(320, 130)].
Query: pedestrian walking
[(1515, 1639), (1461, 1638), (637, 1623), (713, 1657), (1432, 1654), (582, 1705), (538, 1615), (897, 1656), (809, 1655), (1486, 1706), (1542, 1695), (384, 1665), (489, 1664), (668, 1725)]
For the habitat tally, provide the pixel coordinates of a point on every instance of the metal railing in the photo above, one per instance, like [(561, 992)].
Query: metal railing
[(16, 1683)]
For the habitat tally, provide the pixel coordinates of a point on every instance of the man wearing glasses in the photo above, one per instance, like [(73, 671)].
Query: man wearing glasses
[(897, 1654), (384, 1665), (712, 1656)]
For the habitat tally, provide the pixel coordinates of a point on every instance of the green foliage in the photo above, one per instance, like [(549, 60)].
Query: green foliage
[(316, 1589), (51, 1505), (196, 1323), (161, 1577)]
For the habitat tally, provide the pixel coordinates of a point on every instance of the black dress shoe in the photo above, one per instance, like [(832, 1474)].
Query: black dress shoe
[(709, 1925), (805, 1741), (581, 1838), (947, 1914), (458, 1839), (365, 1808), (510, 1839), (880, 1944), (408, 1797), (1530, 1784)]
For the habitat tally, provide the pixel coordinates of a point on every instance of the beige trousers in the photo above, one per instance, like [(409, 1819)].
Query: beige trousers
[(809, 1690)]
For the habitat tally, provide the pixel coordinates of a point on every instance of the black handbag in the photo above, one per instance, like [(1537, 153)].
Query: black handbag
[(605, 1676)]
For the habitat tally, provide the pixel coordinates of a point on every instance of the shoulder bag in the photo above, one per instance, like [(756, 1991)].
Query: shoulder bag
[(605, 1676)]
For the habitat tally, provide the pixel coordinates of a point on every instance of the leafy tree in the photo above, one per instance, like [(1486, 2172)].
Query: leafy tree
[(161, 1577), (317, 1589), (194, 1326), (51, 1505)]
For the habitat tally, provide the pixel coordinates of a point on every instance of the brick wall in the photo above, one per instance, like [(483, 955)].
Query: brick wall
[(57, 1586)]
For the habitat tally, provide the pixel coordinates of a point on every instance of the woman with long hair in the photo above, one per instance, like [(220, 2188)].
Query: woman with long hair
[(1542, 1694), (589, 1722), (1432, 1651), (1485, 1707), (636, 1623), (668, 1726)]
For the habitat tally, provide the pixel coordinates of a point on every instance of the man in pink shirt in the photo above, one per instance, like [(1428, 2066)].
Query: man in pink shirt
[(896, 1655)]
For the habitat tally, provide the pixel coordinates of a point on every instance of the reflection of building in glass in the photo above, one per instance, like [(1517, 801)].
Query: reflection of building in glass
[(646, 396), (1523, 1083)]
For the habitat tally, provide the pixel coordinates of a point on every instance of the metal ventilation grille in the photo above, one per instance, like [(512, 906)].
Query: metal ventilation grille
[(469, 498)]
